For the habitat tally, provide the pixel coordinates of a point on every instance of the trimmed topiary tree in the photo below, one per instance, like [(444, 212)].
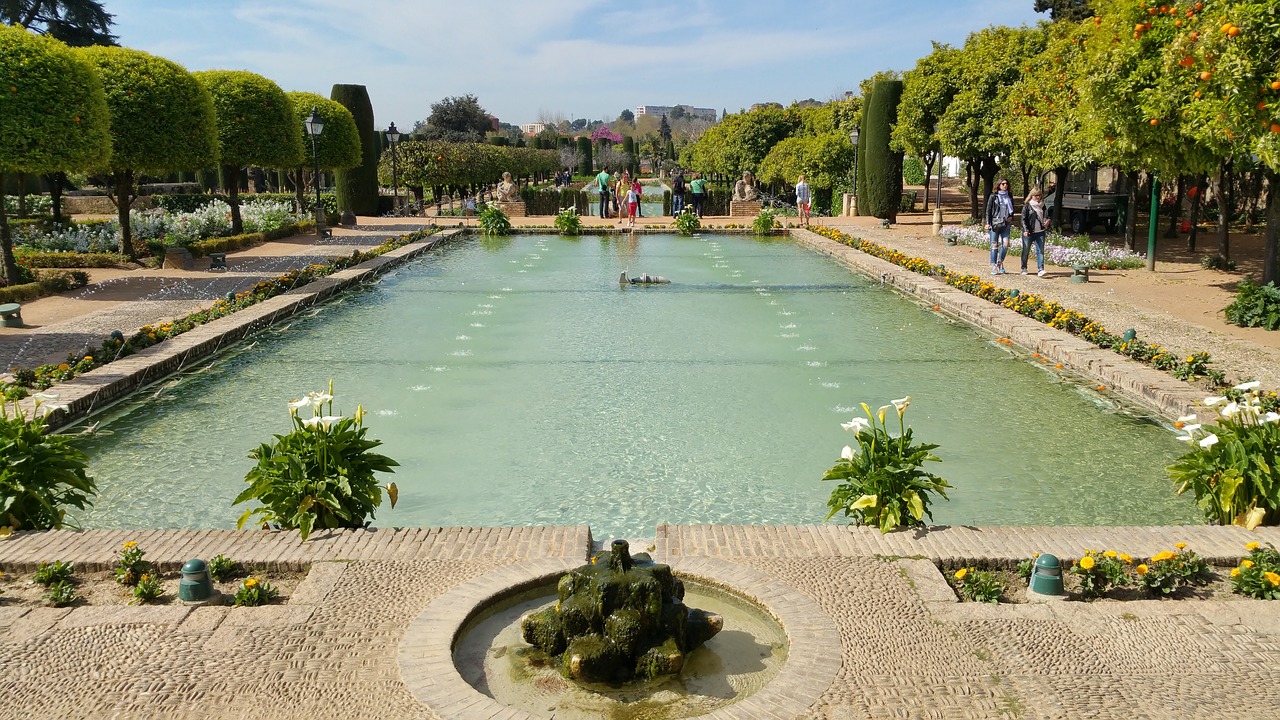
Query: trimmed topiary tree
[(584, 155), (337, 148), (256, 126), (53, 116), (357, 186), (861, 178), (162, 121), (883, 190)]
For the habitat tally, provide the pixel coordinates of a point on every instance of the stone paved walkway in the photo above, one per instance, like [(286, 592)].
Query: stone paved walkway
[(907, 649)]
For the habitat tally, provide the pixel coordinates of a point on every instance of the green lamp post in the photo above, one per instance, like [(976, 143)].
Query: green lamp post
[(1046, 578)]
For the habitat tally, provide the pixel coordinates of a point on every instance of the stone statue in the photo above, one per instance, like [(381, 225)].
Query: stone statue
[(619, 618), (745, 189), (507, 190), (645, 279)]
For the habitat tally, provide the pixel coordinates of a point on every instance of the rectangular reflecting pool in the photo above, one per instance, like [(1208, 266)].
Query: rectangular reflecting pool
[(517, 382)]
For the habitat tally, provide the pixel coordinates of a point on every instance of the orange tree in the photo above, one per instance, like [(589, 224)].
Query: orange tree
[(990, 62), (53, 116), (161, 121), (337, 148), (928, 89), (256, 126)]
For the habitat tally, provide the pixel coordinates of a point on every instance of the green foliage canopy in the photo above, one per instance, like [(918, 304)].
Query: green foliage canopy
[(257, 124), (338, 147)]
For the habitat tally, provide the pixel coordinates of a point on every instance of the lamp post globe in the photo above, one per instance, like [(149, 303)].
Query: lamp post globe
[(393, 137), (315, 126)]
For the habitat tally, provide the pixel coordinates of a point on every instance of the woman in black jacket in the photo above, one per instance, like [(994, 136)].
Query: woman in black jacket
[(1034, 223)]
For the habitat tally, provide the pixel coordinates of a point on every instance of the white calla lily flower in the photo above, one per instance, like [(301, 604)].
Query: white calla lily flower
[(1214, 401), (1184, 438), (1247, 386), (1187, 418), (857, 425), (1269, 417), (299, 404), (846, 453), (1191, 428), (1209, 441), (1230, 410)]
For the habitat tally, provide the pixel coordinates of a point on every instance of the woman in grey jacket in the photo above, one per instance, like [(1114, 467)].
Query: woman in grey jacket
[(1034, 224), (999, 217)]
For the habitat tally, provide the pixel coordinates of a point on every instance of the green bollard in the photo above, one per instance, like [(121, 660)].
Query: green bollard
[(1046, 578), (195, 586)]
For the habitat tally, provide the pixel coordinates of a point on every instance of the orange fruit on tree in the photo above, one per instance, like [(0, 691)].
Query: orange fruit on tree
[(1155, 122), (1177, 23), (1275, 85), (1187, 61), (1195, 94), (1234, 31), (1139, 27), (1199, 6), (1151, 11), (1206, 75), (1195, 36), (1275, 127), (1227, 28)]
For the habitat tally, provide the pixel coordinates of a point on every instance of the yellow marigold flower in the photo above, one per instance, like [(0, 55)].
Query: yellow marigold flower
[(1141, 569), (88, 358), (1125, 558), (1246, 563), (1162, 556), (1086, 562), (130, 544), (64, 367), (1235, 572), (1251, 546), (961, 573), (1109, 553), (1180, 546), (1191, 359), (251, 582), (1272, 578)]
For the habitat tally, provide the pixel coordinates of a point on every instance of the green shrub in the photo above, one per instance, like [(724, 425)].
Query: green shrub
[(568, 222), (1099, 572), (50, 283), (977, 585), (1258, 575), (883, 484), (357, 187), (130, 565), (1217, 262), (61, 593), (70, 259), (1255, 305), (882, 192), (493, 221), (50, 573), (1232, 466), (688, 223), (764, 222), (1167, 572), (41, 474), (320, 475), (239, 242), (149, 588), (254, 592), (912, 171), (222, 567)]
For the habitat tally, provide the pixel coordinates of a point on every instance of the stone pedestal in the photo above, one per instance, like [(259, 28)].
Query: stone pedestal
[(937, 221), (744, 208), (177, 258), (512, 209)]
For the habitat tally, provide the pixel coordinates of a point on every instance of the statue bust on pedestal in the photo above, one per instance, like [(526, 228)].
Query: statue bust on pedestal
[(508, 191)]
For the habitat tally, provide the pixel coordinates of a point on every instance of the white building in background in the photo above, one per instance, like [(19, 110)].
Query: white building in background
[(533, 128), (707, 113)]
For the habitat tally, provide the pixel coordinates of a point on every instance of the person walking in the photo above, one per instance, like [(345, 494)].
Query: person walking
[(1034, 223), (803, 198), (698, 191), (620, 193), (677, 193), (639, 196), (999, 218), (604, 181), (633, 204)]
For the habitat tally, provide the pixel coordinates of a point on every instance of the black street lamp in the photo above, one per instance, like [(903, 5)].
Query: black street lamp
[(315, 126), (853, 138), (393, 137)]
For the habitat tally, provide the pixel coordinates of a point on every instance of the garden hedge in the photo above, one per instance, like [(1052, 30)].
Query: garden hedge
[(51, 282), (584, 152)]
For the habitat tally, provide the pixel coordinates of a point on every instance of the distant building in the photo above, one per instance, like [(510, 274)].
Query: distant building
[(533, 128), (493, 121), (706, 113)]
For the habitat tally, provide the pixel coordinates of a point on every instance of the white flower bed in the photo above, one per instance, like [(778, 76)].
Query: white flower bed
[(1064, 250)]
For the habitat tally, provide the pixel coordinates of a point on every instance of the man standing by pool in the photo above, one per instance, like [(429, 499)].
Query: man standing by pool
[(698, 190), (603, 181), (677, 193)]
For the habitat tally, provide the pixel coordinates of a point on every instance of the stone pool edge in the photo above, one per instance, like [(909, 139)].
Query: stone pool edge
[(101, 386), (1152, 389)]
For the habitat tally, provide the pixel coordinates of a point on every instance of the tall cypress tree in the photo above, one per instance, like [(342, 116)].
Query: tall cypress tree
[(584, 152), (883, 191), (861, 170), (357, 187)]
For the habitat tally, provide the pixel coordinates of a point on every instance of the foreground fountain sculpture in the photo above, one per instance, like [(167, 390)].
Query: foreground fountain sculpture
[(619, 618)]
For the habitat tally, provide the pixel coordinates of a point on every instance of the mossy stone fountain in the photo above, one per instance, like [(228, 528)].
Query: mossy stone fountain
[(618, 619)]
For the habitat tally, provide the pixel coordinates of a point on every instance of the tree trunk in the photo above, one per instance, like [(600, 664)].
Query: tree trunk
[(1270, 252), (231, 184), (972, 178), (1253, 194), (929, 159), (1176, 214), (1197, 197), (299, 191), (987, 169), (1026, 179), (122, 196), (1059, 194), (1131, 215), (6, 240), (22, 195), (1221, 182), (56, 181)]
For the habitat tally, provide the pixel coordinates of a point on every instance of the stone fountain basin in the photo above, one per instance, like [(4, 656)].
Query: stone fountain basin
[(779, 653)]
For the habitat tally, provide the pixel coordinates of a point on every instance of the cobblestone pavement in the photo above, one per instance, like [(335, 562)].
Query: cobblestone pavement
[(156, 298), (907, 649)]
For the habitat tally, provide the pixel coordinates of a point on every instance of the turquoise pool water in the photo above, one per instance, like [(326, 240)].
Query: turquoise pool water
[(517, 383)]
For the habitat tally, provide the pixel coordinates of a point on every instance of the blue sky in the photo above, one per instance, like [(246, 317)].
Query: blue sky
[(578, 58)]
